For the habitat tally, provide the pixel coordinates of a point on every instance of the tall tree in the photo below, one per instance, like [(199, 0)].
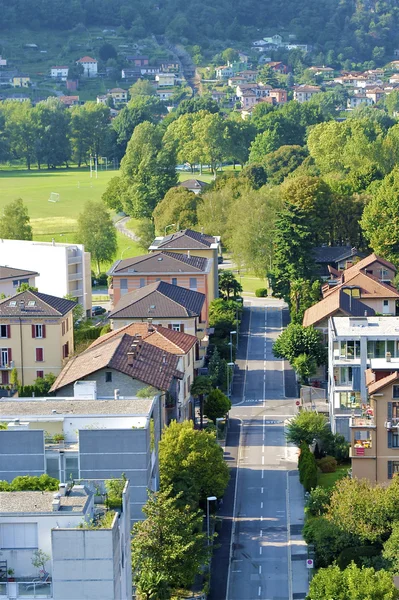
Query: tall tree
[(178, 206), (296, 340), (21, 130), (212, 140), (90, 126), (52, 120), (201, 386), (169, 543), (15, 222), (97, 232), (142, 87), (182, 464)]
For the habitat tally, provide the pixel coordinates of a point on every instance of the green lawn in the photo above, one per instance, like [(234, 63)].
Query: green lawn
[(250, 283), (327, 480)]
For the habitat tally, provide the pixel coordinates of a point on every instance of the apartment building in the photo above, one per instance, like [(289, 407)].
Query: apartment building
[(74, 438), (36, 334), (11, 279), (195, 242), (356, 344), (184, 270), (83, 562), (63, 268)]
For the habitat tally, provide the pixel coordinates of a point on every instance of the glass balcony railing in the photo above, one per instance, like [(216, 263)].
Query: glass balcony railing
[(34, 589)]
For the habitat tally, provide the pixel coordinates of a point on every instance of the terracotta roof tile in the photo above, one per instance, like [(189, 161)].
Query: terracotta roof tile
[(337, 301), (381, 383), (35, 304), (187, 239), (364, 263), (8, 272), (160, 262)]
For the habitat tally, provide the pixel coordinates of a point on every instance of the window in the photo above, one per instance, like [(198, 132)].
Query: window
[(5, 357), (123, 286), (349, 399), (53, 467), (5, 378), (386, 303), (5, 331), (395, 392), (39, 355), (15, 536), (362, 439), (393, 468), (174, 280), (193, 284), (350, 349), (71, 468), (376, 349), (142, 282), (175, 326), (17, 282), (394, 439), (39, 374), (38, 331), (65, 350), (345, 375), (108, 376)]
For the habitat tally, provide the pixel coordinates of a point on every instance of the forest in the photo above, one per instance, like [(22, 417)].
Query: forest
[(359, 31)]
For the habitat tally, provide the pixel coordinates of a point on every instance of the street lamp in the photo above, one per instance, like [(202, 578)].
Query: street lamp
[(124, 250), (231, 345), (230, 364), (171, 225), (209, 499)]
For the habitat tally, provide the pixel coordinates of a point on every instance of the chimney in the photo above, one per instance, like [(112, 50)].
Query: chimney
[(164, 358), (130, 358), (116, 393), (62, 489), (188, 254), (55, 505)]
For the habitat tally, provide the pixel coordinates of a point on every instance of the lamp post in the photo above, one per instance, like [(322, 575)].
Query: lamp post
[(171, 225), (230, 364), (231, 345), (239, 300), (124, 250), (209, 499)]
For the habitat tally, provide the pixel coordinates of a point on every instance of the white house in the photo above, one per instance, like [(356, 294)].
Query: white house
[(84, 562), (89, 66), (359, 99), (165, 94), (303, 93), (59, 73), (64, 268), (224, 72), (165, 79)]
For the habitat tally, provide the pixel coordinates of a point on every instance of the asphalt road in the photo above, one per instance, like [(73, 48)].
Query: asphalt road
[(259, 561)]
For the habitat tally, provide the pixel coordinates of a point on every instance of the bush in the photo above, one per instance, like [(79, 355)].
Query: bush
[(318, 501), (261, 292), (307, 468), (328, 464), (356, 554), (105, 329), (328, 540)]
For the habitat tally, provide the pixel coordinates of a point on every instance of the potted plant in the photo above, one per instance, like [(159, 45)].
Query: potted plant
[(58, 437), (10, 573)]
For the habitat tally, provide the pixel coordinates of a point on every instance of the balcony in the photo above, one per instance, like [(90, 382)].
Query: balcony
[(198, 364), (25, 587), (75, 276), (361, 452), (5, 366), (74, 260), (362, 422)]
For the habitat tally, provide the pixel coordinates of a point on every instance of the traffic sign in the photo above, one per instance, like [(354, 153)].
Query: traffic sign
[(298, 402), (309, 563)]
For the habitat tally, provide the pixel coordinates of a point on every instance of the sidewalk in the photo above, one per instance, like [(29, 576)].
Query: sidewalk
[(299, 554)]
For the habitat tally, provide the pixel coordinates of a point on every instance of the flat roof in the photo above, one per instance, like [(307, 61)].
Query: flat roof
[(134, 407), (366, 326), (18, 503)]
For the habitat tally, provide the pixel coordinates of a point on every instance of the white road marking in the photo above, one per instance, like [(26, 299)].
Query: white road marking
[(233, 529), (261, 490), (262, 473), (261, 504), (287, 498), (259, 590), (260, 569), (260, 549)]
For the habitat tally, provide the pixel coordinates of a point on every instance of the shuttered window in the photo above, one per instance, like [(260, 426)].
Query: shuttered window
[(18, 535)]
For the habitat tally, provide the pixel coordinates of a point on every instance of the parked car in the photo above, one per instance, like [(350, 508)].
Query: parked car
[(97, 310)]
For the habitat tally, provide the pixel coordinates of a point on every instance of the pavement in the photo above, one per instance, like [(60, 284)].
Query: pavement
[(261, 553)]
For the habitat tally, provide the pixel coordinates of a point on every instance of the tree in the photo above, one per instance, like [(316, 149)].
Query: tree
[(78, 310), (392, 103), (191, 461), (52, 122), (379, 221), (296, 340), (304, 366), (280, 163), (216, 405), (352, 583), (15, 222), (20, 130), (169, 543), (145, 232), (255, 175), (293, 244), (147, 171), (142, 87), (303, 294), (201, 386), (391, 548), (107, 51), (228, 284), (25, 287), (43, 384), (305, 427), (217, 368), (267, 76), (97, 232), (211, 140), (196, 104), (90, 128), (178, 206), (230, 55)]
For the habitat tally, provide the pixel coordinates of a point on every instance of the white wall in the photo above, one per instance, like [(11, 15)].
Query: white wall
[(7, 288), (74, 424)]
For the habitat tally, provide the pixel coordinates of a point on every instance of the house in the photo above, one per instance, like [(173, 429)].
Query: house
[(21, 81), (60, 73), (375, 94), (359, 100), (325, 72), (248, 98), (278, 67), (150, 70), (131, 74), (64, 268), (163, 304), (259, 43), (243, 57), (69, 100), (383, 270), (394, 64), (340, 303), (303, 93), (138, 61), (37, 335), (54, 523), (165, 79), (195, 242), (279, 95), (236, 80), (102, 99), (354, 345), (394, 78), (219, 97), (11, 279), (275, 39), (248, 75), (89, 65), (374, 74), (183, 270), (164, 94), (84, 437), (170, 66), (194, 185), (224, 72), (119, 95), (336, 257), (6, 77), (3, 61), (186, 347), (375, 433)]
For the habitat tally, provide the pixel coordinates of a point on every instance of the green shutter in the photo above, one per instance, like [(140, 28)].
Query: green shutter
[(389, 469)]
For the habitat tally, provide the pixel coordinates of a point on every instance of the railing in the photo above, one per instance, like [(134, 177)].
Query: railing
[(34, 589), (3, 590)]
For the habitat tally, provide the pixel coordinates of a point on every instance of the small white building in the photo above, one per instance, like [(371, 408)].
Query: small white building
[(64, 268), (165, 79), (358, 100), (84, 561), (60, 73), (165, 94), (303, 93), (89, 66)]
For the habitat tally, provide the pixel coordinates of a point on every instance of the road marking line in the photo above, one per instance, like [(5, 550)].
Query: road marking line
[(260, 549), (287, 498), (261, 504), (233, 528), (262, 473), (260, 569), (261, 533), (259, 590), (261, 490)]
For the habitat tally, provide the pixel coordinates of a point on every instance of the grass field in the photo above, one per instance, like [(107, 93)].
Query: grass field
[(327, 480)]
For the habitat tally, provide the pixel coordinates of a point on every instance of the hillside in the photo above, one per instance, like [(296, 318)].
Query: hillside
[(362, 30)]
